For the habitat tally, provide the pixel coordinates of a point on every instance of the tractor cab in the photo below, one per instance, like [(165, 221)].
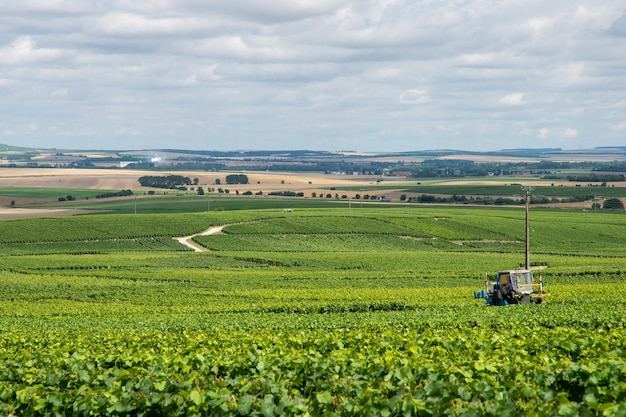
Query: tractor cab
[(515, 286)]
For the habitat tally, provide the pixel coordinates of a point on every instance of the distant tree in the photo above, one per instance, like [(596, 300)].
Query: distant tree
[(403, 197), (169, 181), (200, 191), (218, 181), (613, 204), (237, 179), (313, 194), (596, 178), (12, 203), (502, 201), (121, 193), (195, 181)]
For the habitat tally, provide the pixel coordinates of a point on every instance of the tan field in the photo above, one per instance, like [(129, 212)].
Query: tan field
[(109, 179), (18, 213)]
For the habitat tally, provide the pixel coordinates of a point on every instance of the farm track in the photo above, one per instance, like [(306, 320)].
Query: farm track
[(186, 240)]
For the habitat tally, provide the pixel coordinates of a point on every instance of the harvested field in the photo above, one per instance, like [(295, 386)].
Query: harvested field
[(20, 213), (109, 179)]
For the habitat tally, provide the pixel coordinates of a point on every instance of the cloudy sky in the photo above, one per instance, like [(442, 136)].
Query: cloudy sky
[(363, 75)]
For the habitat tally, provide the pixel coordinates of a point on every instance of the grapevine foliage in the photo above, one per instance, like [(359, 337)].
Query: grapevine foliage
[(309, 313)]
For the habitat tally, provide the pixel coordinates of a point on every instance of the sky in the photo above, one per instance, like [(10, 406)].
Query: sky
[(366, 75)]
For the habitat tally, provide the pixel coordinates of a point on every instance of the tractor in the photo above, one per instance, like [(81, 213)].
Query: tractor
[(515, 286)]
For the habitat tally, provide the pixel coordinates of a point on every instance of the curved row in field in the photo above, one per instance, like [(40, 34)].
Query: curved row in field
[(497, 231)]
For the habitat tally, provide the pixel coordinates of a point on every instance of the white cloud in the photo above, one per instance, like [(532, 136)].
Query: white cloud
[(621, 126), (537, 25), (543, 133), (61, 92), (478, 59), (513, 99), (23, 50), (570, 133), (570, 74), (414, 97), (132, 24), (277, 11)]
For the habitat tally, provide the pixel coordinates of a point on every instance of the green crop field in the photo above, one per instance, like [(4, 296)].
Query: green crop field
[(50, 193), (515, 190), (197, 204), (336, 310), (497, 188)]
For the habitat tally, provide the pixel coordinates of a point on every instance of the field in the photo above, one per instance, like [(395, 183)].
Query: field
[(329, 310), (107, 179), (33, 192)]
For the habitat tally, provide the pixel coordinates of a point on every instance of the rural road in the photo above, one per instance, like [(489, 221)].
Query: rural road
[(186, 240)]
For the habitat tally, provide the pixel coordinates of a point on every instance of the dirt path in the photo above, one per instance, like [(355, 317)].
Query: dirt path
[(186, 240)]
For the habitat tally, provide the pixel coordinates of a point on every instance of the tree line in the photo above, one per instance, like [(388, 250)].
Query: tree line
[(167, 181)]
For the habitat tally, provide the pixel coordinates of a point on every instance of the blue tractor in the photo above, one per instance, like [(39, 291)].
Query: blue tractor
[(515, 286)]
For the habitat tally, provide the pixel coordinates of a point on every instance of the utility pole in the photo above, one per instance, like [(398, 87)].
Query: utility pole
[(527, 189)]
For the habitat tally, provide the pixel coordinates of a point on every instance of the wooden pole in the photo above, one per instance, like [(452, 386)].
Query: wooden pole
[(527, 231)]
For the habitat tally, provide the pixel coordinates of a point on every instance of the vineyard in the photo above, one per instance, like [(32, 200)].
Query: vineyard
[(334, 311)]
